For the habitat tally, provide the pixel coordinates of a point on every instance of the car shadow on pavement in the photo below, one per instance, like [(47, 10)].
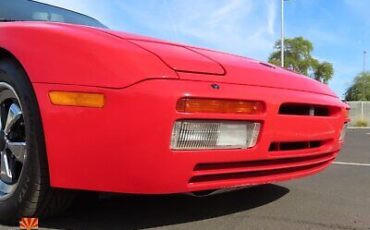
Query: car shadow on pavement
[(138, 212)]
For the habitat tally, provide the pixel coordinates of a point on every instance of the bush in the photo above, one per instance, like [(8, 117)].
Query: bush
[(361, 123)]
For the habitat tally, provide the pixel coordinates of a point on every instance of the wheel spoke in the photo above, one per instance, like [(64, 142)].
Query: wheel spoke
[(5, 173), (13, 145), (18, 149), (5, 188), (1, 117), (14, 114)]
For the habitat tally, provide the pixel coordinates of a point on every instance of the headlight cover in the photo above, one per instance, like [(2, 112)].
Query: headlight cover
[(204, 134)]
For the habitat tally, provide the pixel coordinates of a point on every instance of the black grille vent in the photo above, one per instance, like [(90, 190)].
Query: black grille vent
[(287, 146), (305, 110)]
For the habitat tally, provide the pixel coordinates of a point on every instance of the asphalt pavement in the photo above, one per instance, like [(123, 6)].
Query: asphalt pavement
[(338, 198)]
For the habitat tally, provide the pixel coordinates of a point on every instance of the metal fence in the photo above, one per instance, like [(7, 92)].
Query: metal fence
[(360, 111)]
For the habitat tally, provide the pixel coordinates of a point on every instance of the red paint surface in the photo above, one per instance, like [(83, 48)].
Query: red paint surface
[(124, 147)]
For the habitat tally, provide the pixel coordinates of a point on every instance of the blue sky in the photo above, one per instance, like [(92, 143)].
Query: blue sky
[(337, 28)]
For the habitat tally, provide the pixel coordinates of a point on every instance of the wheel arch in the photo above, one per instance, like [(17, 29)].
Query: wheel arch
[(4, 53), (7, 55)]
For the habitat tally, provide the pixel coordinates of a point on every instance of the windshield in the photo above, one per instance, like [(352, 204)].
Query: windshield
[(26, 10)]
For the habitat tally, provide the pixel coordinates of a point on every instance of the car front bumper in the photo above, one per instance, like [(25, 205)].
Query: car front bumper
[(125, 146)]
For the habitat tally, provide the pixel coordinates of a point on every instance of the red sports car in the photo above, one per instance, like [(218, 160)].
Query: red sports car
[(87, 108)]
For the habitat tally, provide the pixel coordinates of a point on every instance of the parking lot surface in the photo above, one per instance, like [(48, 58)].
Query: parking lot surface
[(338, 198)]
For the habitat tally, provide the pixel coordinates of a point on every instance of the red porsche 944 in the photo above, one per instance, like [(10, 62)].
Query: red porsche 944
[(83, 107)]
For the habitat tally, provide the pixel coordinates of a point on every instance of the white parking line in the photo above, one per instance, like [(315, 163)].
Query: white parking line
[(351, 164)]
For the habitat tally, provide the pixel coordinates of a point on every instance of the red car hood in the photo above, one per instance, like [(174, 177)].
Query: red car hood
[(208, 65)]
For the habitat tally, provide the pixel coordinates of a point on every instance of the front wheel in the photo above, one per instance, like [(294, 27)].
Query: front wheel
[(24, 177)]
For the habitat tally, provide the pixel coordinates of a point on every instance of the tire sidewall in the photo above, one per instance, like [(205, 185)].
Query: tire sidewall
[(32, 171)]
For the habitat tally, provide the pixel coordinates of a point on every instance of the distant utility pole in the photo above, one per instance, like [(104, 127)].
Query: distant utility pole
[(282, 33), (364, 61), (364, 85)]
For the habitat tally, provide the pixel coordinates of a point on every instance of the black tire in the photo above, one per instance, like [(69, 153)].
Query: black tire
[(33, 196)]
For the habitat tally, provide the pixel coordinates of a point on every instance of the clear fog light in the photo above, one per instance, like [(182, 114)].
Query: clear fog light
[(343, 133), (193, 135)]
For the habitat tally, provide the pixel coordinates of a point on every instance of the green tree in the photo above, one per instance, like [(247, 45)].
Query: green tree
[(298, 58), (360, 88), (323, 72)]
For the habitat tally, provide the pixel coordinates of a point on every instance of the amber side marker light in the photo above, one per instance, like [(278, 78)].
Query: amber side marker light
[(200, 105), (346, 113), (92, 100)]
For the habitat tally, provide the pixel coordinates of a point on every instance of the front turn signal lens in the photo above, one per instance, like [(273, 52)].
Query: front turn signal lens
[(200, 105), (92, 100)]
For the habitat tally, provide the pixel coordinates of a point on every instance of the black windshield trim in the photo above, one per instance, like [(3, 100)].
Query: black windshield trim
[(35, 11), (84, 15)]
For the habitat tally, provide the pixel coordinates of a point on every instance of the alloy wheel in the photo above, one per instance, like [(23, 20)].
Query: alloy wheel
[(13, 146)]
